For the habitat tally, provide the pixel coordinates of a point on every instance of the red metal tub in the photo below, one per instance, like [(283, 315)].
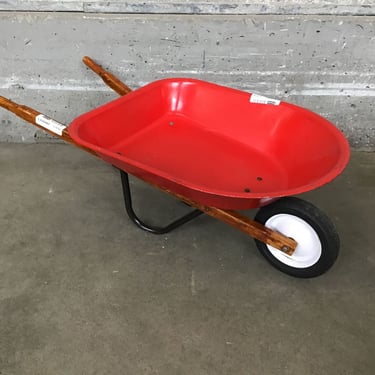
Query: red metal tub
[(215, 145)]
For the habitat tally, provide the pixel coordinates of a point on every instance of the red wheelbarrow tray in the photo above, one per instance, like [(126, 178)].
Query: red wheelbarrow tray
[(212, 144)]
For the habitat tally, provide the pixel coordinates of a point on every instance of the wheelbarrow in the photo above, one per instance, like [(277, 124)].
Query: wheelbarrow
[(219, 150)]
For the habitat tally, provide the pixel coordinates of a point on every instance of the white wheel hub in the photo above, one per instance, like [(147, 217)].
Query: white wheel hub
[(309, 247)]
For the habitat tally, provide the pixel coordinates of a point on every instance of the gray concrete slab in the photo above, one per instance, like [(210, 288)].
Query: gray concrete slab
[(83, 291), (323, 63)]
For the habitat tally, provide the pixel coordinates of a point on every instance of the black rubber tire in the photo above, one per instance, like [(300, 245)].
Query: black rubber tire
[(321, 224)]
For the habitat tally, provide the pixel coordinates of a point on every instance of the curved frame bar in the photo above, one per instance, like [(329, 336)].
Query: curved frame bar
[(141, 224)]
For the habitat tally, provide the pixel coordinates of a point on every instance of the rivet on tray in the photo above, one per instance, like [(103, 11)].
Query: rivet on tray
[(171, 123), (260, 178), (247, 190)]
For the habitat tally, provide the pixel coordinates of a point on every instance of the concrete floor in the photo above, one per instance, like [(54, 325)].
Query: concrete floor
[(83, 291)]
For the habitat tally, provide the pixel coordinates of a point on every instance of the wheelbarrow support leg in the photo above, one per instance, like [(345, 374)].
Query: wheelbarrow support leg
[(137, 221)]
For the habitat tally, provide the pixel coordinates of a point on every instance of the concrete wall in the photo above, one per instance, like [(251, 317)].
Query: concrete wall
[(310, 52), (336, 7)]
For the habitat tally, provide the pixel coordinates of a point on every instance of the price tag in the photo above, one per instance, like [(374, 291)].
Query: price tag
[(259, 99), (50, 124)]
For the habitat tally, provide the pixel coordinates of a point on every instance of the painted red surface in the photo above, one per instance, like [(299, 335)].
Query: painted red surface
[(212, 144)]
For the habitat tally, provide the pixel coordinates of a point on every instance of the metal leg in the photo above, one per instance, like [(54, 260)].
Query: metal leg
[(135, 219)]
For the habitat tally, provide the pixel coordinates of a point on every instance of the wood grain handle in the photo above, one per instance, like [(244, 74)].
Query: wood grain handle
[(41, 121), (22, 111), (109, 79)]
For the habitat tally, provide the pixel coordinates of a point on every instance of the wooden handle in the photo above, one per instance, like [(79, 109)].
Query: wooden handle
[(254, 229), (41, 121), (22, 111), (109, 79), (243, 223)]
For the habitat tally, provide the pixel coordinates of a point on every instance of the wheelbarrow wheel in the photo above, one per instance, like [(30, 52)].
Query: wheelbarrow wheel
[(318, 241)]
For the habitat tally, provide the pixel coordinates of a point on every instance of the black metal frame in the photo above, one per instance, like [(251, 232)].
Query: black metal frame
[(141, 224)]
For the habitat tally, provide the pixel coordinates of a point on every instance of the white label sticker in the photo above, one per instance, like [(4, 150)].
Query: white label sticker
[(259, 99), (50, 124)]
